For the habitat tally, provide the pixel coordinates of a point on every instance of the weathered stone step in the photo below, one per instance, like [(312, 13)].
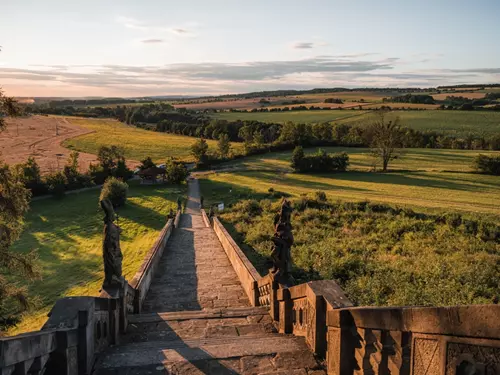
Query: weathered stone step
[(236, 312), (245, 321), (271, 354)]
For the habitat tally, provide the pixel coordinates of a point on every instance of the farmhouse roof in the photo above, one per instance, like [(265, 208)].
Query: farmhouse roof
[(152, 171)]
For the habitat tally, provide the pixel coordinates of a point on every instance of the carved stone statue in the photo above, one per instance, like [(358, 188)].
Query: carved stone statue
[(111, 251), (282, 243)]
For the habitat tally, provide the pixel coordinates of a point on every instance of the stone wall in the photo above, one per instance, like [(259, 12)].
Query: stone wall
[(458, 340), (245, 270), (142, 279), (79, 328)]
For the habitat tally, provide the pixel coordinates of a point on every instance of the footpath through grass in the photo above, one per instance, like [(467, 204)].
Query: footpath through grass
[(68, 235), (137, 143)]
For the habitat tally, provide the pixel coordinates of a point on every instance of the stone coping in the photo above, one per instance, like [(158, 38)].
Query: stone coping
[(244, 269), (466, 321), (151, 255), (328, 289), (206, 220)]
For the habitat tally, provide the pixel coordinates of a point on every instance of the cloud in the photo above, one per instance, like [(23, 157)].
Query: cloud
[(179, 31), (303, 45), (355, 70), (131, 23), (152, 41)]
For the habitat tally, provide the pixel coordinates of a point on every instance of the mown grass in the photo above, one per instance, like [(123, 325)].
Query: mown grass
[(451, 122), (137, 143), (423, 178), (379, 255), (68, 236)]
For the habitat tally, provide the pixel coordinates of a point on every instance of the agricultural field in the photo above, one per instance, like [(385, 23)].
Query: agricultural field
[(423, 178), (137, 143), (41, 137), (294, 116), (452, 122), (68, 236)]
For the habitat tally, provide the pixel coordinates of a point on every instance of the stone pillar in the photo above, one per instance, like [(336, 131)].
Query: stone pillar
[(285, 311), (273, 300)]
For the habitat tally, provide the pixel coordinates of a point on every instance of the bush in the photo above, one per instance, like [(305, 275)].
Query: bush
[(115, 190), (176, 172), (487, 164), (320, 196), (97, 174), (319, 162), (56, 183), (122, 171)]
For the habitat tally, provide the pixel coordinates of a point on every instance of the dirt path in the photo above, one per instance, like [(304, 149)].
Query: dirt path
[(36, 136)]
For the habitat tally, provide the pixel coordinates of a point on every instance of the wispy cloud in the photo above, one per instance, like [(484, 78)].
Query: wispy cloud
[(219, 77), (303, 45), (152, 41), (131, 23), (186, 30)]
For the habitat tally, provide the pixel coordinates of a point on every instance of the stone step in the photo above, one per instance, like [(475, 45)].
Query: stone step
[(229, 355), (200, 314), (199, 324)]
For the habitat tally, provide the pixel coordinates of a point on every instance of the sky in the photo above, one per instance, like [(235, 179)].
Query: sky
[(135, 48)]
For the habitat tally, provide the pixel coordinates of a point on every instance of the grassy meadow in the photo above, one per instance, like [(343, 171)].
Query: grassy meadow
[(423, 178), (67, 233), (451, 122), (137, 143), (425, 233)]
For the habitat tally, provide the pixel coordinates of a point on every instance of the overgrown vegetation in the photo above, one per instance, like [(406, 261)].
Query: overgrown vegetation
[(487, 164), (379, 254), (319, 162), (115, 190)]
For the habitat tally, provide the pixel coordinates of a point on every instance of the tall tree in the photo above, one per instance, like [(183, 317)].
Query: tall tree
[(223, 145), (386, 138), (199, 151), (14, 202)]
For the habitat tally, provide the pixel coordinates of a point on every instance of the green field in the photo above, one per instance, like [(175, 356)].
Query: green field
[(423, 178), (68, 236), (424, 234), (451, 122), (294, 116), (137, 143)]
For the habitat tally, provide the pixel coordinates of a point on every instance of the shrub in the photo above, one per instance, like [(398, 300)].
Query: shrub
[(176, 172), (29, 174), (97, 174), (487, 164), (115, 190), (122, 171), (319, 162), (320, 196), (56, 183), (147, 163)]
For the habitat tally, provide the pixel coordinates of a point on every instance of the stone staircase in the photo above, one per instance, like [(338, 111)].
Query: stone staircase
[(197, 318), (229, 341)]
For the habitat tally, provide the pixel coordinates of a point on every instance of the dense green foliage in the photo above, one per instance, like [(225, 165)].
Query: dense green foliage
[(487, 164), (380, 255), (411, 98), (319, 162), (115, 190), (199, 151)]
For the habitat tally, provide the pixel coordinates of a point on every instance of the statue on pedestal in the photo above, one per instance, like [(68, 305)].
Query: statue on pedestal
[(282, 243), (111, 251)]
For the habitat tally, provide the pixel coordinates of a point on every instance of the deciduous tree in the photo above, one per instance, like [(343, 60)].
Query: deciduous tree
[(386, 138)]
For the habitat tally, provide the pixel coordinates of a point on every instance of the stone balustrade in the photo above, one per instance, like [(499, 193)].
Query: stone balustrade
[(142, 279), (79, 328), (459, 340)]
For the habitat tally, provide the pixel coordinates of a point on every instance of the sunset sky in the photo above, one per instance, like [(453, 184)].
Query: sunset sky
[(191, 47)]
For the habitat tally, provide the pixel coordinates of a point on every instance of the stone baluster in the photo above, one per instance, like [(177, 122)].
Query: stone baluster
[(285, 311), (399, 351)]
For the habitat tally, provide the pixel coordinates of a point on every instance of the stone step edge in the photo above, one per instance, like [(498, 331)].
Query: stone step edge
[(197, 314), (202, 341)]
